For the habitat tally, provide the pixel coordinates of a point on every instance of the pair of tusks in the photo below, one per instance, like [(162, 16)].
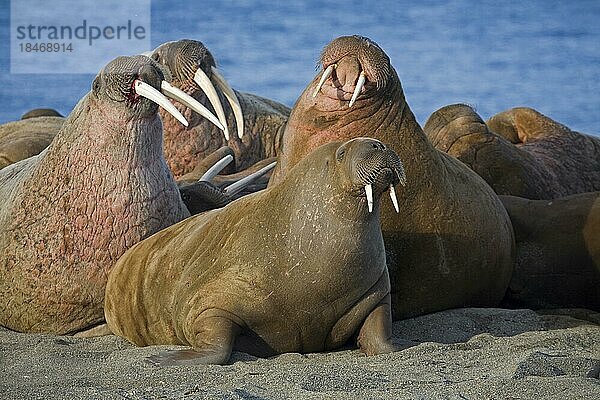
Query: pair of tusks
[(369, 194), (238, 186), (148, 91), (359, 84), (145, 90), (206, 85)]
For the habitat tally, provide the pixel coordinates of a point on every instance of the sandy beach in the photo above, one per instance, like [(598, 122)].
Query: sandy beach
[(455, 354)]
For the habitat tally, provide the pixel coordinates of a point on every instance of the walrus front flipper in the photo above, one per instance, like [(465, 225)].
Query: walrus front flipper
[(96, 331), (214, 342), (203, 196), (376, 332), (169, 358)]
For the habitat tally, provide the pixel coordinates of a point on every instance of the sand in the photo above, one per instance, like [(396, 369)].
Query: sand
[(455, 354)]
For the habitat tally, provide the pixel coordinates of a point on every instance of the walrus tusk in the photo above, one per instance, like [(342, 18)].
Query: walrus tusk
[(187, 100), (358, 88), (369, 193), (206, 85), (232, 99), (394, 199), (147, 91), (326, 74), (215, 169), (242, 183)]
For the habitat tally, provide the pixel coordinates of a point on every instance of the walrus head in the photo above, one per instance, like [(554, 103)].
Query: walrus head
[(368, 168), (357, 94), (452, 125), (193, 70), (353, 66), (133, 85)]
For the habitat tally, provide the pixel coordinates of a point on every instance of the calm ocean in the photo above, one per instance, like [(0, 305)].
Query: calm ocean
[(493, 55)]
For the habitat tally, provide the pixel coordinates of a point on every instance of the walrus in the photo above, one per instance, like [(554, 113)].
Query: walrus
[(519, 152), (256, 122), (453, 245), (68, 214), (41, 112), (299, 267), (558, 252), (26, 137)]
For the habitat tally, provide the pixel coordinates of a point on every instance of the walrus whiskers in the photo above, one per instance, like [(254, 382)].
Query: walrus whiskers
[(232, 99), (206, 85), (188, 101), (147, 91)]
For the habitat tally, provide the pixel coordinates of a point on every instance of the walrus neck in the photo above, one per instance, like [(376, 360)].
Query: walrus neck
[(105, 135), (401, 131)]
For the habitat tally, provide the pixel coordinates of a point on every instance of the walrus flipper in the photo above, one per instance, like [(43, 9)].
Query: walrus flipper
[(203, 196), (213, 345), (168, 358), (376, 332)]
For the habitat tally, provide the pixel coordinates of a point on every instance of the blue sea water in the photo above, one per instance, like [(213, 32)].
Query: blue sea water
[(493, 55)]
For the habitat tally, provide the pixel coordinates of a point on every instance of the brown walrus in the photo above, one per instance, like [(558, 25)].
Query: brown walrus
[(27, 137), (260, 120), (298, 267), (67, 214), (41, 112), (452, 245), (519, 152), (558, 252)]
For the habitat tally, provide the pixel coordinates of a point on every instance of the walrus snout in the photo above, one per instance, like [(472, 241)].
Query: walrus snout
[(183, 57), (355, 64), (373, 166)]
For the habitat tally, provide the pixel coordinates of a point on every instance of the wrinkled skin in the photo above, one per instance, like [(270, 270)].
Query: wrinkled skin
[(186, 147), (519, 152), (29, 136), (267, 285), (67, 214), (452, 244), (558, 252)]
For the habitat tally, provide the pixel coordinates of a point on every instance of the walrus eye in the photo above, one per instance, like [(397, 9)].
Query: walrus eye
[(96, 85), (340, 154)]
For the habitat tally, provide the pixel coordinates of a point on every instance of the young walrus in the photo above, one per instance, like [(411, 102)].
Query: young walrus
[(299, 267)]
